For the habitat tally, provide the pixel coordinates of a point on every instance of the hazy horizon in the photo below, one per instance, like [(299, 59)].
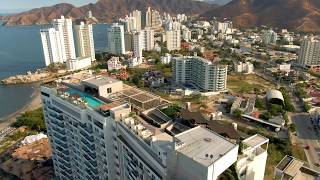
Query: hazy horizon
[(16, 6)]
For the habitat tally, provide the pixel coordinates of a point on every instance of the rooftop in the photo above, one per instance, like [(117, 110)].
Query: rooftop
[(203, 146), (100, 80), (255, 141), (295, 168)]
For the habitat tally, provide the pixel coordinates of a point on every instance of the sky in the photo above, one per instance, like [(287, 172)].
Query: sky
[(13, 6)]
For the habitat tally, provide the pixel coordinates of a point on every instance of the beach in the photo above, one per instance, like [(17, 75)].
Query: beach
[(34, 103)]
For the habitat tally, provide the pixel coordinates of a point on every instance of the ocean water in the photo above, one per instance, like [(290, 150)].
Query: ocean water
[(21, 51)]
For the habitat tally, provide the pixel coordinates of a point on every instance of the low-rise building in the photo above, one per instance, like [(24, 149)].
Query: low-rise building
[(115, 64), (153, 78), (166, 59), (292, 168), (246, 68), (78, 63)]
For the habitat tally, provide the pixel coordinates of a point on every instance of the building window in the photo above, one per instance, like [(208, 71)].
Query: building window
[(109, 90)]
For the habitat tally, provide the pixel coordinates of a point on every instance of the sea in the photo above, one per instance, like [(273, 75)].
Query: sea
[(20, 52)]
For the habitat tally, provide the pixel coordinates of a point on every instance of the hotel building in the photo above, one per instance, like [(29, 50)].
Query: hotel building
[(206, 75), (100, 128)]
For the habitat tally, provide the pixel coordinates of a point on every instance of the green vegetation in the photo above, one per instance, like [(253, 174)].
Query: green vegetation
[(172, 111), (237, 113), (275, 109), (248, 83), (300, 90), (34, 120), (135, 76), (292, 127), (165, 69), (288, 106), (306, 107), (260, 104), (265, 115)]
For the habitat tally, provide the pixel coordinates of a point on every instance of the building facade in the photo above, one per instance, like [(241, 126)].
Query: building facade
[(58, 42), (309, 53), (51, 46), (64, 27), (92, 138), (207, 76), (173, 38), (115, 39), (84, 40)]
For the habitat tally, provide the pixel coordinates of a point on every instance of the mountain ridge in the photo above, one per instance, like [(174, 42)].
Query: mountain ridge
[(300, 15), (105, 10)]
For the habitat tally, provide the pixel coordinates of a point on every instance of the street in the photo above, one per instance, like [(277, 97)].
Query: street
[(308, 137)]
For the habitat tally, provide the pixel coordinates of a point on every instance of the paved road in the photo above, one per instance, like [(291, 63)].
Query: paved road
[(307, 135)]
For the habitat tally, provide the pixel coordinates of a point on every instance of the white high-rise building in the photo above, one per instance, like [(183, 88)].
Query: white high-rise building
[(309, 52), (173, 38), (57, 42), (137, 16), (65, 31), (186, 34), (102, 138), (246, 67), (153, 18), (207, 76), (51, 45), (115, 39), (138, 42), (84, 40), (148, 36), (269, 37)]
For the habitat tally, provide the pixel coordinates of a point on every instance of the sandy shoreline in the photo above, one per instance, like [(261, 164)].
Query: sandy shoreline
[(33, 104)]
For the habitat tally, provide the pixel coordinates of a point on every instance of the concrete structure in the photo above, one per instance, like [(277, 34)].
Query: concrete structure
[(275, 97), (58, 42), (138, 42), (128, 41), (137, 15), (309, 53), (207, 76), (78, 63), (285, 67), (64, 27), (222, 27), (51, 45), (101, 138), (246, 68), (133, 62), (173, 38), (148, 39), (153, 18), (84, 40), (292, 168), (269, 37), (115, 39), (115, 64), (186, 34), (166, 59), (252, 163)]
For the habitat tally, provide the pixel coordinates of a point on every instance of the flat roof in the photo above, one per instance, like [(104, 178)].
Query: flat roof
[(255, 140), (203, 146), (296, 168), (100, 81)]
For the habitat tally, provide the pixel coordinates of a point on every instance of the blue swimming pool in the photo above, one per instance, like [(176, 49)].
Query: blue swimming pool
[(92, 102)]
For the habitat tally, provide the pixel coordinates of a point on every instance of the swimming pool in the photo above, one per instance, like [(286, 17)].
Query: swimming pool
[(92, 101)]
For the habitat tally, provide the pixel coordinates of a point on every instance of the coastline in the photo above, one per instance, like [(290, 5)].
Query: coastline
[(34, 103)]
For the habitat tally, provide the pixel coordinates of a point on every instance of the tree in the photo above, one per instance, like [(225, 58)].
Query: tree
[(32, 119), (265, 116), (237, 113), (260, 104)]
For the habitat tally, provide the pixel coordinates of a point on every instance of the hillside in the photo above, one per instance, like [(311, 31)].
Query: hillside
[(105, 10), (301, 15)]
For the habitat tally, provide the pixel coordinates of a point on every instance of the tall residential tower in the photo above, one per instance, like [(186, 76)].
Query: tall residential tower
[(84, 40)]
